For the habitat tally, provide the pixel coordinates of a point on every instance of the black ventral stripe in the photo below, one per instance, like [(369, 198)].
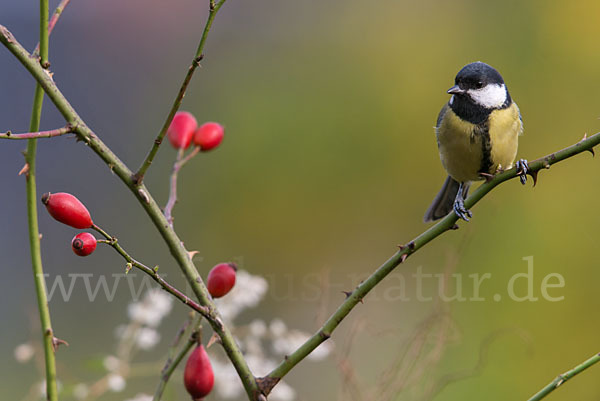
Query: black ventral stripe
[(483, 131)]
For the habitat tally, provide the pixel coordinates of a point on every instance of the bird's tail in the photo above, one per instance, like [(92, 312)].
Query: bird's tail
[(444, 201)]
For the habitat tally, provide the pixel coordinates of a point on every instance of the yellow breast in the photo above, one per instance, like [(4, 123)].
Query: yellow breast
[(462, 145)]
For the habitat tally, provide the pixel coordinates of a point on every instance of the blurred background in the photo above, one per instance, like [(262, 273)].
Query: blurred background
[(329, 161)]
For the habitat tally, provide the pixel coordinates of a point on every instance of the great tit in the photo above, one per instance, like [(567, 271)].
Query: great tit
[(477, 135)]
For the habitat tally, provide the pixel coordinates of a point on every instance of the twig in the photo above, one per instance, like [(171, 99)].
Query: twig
[(173, 188), (179, 163), (560, 379), (131, 262), (40, 134), (173, 362), (213, 10), (32, 216), (446, 224), (57, 13), (85, 134)]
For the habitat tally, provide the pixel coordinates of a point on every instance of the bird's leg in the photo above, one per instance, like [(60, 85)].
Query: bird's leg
[(522, 170), (459, 205)]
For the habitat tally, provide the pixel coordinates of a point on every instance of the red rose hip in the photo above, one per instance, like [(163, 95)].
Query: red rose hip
[(209, 136), (67, 209), (182, 129), (221, 279), (83, 244), (198, 375)]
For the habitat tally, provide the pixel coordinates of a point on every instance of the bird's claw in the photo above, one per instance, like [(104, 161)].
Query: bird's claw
[(461, 211), (487, 177), (522, 170)]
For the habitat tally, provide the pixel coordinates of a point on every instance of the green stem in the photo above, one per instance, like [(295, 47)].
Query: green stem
[(86, 135), (32, 216), (213, 10), (266, 383), (52, 23), (560, 379)]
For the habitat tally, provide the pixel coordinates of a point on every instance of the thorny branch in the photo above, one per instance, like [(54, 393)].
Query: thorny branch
[(153, 272), (68, 129), (144, 197), (448, 223)]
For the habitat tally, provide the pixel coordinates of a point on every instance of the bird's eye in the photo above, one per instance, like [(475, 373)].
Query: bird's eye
[(479, 84)]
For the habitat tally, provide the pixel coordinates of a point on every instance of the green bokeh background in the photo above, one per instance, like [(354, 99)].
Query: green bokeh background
[(329, 161)]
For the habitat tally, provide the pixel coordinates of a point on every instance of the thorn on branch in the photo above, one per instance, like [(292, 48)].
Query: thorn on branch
[(213, 339), (56, 342), (24, 170), (534, 175), (348, 294), (324, 335), (410, 246)]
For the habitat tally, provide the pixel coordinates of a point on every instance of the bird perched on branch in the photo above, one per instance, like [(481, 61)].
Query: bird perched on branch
[(477, 134)]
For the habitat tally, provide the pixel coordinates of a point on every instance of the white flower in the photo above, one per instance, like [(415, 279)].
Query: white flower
[(282, 392), (24, 352), (258, 328), (80, 391), (116, 383), (227, 382), (293, 339), (160, 301), (277, 327), (147, 338), (111, 363), (260, 365), (141, 397), (252, 345), (152, 309), (248, 291)]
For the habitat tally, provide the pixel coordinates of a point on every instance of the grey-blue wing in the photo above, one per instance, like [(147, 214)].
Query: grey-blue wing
[(441, 115)]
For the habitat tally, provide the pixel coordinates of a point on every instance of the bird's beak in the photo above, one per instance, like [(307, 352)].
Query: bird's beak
[(455, 90)]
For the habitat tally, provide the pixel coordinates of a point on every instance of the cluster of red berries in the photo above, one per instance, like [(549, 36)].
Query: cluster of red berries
[(184, 130), (69, 210)]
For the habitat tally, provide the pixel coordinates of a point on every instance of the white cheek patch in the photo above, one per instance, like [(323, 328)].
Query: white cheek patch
[(491, 96)]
